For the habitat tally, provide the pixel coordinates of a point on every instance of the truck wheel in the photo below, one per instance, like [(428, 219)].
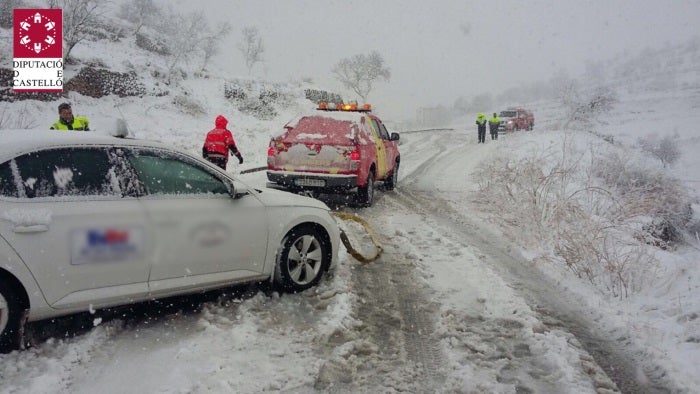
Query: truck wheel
[(365, 194), (10, 317), (390, 183), (304, 256)]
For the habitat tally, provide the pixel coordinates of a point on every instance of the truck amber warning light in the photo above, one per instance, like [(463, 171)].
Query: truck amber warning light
[(350, 107)]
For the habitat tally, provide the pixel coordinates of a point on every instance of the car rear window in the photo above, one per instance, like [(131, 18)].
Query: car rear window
[(66, 172)]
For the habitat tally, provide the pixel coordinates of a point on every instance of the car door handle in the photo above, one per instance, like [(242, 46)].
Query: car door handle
[(32, 228)]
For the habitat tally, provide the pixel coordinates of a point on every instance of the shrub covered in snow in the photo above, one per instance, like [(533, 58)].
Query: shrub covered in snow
[(665, 149), (581, 207)]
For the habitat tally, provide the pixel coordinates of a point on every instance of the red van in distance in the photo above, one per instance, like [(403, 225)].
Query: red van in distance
[(514, 119)]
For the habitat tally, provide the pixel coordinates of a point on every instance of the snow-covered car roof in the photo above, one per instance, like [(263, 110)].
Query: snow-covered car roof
[(349, 131), (15, 142), (336, 115)]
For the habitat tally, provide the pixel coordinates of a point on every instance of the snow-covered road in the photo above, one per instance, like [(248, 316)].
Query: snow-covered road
[(490, 338), (449, 307)]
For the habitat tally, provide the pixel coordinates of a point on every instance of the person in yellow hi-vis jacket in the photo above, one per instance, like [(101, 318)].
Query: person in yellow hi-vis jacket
[(481, 127), (494, 122), (66, 120)]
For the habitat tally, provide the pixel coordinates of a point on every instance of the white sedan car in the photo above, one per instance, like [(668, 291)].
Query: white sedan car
[(90, 221)]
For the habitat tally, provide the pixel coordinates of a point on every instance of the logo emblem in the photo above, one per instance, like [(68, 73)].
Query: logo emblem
[(38, 50), (38, 33)]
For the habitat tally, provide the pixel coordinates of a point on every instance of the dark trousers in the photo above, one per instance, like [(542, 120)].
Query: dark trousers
[(494, 133), (482, 134), (218, 160)]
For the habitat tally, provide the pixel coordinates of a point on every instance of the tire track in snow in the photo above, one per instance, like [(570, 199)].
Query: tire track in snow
[(395, 346), (630, 372), (498, 349)]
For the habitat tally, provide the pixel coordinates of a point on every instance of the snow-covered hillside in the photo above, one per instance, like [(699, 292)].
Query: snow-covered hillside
[(316, 341)]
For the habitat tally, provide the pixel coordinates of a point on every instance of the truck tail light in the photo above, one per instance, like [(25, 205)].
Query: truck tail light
[(270, 151), (355, 155)]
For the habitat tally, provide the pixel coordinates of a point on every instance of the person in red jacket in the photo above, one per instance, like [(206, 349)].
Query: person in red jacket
[(218, 143)]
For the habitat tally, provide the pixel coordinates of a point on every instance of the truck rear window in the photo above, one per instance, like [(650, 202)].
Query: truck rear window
[(321, 130)]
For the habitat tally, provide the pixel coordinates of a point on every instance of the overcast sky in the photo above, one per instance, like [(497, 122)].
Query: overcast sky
[(439, 50)]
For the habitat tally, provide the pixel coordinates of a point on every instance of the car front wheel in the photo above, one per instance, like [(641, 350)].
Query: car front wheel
[(10, 317), (304, 256)]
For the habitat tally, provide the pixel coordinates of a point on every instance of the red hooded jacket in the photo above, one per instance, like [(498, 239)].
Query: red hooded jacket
[(219, 140)]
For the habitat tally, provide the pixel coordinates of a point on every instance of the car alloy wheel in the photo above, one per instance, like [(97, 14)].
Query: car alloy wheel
[(304, 257)]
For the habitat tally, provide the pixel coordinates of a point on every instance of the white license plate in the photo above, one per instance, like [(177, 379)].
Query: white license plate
[(309, 182)]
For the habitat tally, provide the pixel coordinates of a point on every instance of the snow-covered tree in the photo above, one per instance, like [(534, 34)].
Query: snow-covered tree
[(251, 46), (665, 149), (140, 13), (212, 43), (78, 15), (185, 35), (361, 71)]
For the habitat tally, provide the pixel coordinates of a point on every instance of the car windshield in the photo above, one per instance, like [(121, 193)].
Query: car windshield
[(507, 114)]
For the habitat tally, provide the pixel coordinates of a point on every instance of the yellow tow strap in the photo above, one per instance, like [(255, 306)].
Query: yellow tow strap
[(346, 241)]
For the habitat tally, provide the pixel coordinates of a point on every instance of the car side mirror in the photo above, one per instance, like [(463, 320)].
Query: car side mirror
[(237, 192), (394, 136)]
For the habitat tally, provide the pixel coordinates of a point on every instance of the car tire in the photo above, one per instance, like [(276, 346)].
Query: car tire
[(365, 194), (11, 312), (304, 256), (391, 182)]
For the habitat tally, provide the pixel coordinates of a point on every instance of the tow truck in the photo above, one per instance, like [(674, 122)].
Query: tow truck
[(337, 148)]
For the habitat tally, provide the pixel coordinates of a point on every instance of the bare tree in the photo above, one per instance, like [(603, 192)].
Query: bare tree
[(360, 72), (77, 17), (185, 35), (251, 47), (140, 13), (212, 43), (666, 149), (669, 152), (17, 119)]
